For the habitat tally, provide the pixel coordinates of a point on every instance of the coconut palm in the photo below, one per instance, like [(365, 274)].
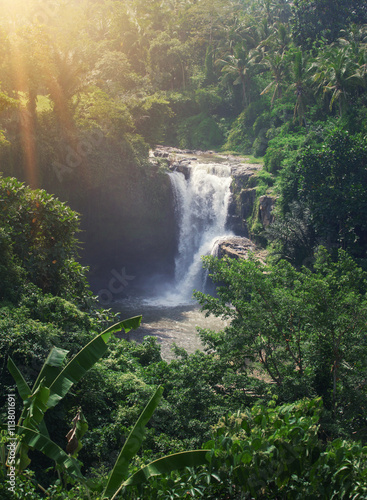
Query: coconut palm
[(278, 40), (64, 81), (276, 64), (300, 84), (236, 69), (337, 71)]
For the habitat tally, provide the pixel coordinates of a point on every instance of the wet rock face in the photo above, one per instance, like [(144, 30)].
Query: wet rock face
[(243, 197), (241, 173), (248, 198), (182, 166), (266, 207), (243, 200)]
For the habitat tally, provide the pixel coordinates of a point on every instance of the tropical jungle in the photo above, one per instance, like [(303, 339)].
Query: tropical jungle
[(92, 95)]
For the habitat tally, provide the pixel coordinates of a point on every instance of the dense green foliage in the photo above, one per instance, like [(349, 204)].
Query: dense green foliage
[(270, 451), (45, 299), (42, 233), (331, 180), (304, 331), (148, 68), (87, 87), (53, 382)]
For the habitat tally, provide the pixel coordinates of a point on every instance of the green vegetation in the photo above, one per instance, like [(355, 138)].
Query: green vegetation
[(275, 406), (270, 451), (80, 106), (301, 330), (52, 384)]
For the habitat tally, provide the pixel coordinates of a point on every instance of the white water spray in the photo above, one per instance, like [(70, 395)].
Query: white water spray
[(201, 209)]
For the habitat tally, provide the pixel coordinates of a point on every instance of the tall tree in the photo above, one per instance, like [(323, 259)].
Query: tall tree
[(330, 180), (337, 72), (303, 330), (236, 69), (323, 19)]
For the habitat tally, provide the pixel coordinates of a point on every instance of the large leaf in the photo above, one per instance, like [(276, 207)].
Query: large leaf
[(34, 411), (34, 439), (85, 359), (166, 465), (36, 405), (22, 386), (127, 324), (23, 459), (51, 367), (24, 392), (120, 471)]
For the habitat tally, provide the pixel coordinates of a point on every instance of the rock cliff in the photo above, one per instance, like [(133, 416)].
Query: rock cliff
[(244, 202)]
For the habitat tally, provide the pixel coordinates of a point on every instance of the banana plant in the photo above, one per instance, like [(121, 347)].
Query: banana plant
[(119, 477), (52, 384)]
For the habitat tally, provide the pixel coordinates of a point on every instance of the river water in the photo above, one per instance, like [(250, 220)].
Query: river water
[(169, 324)]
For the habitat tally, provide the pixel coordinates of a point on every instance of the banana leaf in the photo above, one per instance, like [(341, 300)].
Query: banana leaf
[(51, 367), (121, 468), (167, 464), (23, 459), (24, 392), (36, 407), (22, 386), (34, 439), (85, 359)]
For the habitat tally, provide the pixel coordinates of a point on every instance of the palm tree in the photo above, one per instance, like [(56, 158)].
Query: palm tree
[(337, 71), (64, 81), (278, 40), (276, 64), (271, 55), (236, 69), (300, 85)]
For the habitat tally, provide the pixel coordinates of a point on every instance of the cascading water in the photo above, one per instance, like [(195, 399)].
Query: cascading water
[(201, 208), (169, 312)]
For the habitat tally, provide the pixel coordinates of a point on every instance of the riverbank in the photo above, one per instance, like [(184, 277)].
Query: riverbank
[(168, 325)]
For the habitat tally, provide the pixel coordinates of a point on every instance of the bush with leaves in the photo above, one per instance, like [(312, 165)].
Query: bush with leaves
[(301, 330), (151, 116), (293, 236), (57, 376), (270, 452), (196, 393), (284, 144), (42, 230), (11, 273), (331, 179), (199, 132), (28, 340)]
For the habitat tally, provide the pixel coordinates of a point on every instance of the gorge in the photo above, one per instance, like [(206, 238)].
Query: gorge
[(210, 207)]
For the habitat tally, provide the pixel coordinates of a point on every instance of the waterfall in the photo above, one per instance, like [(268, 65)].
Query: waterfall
[(201, 204)]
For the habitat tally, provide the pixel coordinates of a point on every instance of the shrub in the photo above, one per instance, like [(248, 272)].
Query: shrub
[(42, 230), (199, 132)]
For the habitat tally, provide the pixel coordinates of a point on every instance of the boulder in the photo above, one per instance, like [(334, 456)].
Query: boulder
[(183, 167), (236, 247)]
